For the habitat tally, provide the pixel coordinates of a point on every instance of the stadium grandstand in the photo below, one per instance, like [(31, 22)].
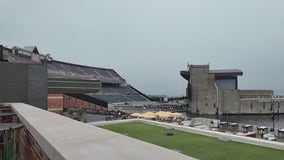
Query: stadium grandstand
[(73, 85), (114, 89)]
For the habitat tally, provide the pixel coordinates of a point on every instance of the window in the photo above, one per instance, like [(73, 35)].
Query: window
[(263, 105), (251, 105)]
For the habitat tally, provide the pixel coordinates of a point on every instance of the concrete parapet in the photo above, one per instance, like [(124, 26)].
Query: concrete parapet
[(103, 123), (63, 138), (216, 134)]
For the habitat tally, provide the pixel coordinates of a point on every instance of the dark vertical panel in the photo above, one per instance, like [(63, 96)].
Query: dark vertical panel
[(1, 52), (13, 82), (37, 85), (236, 79), (25, 83)]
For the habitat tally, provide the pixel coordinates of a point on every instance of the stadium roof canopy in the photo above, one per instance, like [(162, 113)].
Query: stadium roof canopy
[(57, 69), (63, 70)]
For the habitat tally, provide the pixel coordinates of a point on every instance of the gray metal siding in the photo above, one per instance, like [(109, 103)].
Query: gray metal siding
[(73, 86), (25, 83), (37, 85), (13, 82), (226, 83)]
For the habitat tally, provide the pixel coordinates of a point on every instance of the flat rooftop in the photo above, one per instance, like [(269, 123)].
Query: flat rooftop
[(217, 72), (64, 138)]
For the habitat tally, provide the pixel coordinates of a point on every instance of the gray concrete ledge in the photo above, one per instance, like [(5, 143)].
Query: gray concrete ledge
[(216, 134), (63, 138)]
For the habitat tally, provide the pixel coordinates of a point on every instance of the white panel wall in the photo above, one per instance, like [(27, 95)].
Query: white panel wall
[(226, 83)]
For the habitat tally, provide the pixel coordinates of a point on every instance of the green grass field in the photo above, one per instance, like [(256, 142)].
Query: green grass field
[(197, 146)]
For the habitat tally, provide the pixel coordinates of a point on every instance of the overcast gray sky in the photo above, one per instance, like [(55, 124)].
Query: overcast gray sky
[(148, 42)]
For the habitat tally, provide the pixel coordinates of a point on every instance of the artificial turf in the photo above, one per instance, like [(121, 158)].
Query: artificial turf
[(197, 146)]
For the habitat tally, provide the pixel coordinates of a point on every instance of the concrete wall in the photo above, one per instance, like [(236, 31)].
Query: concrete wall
[(230, 101), (205, 99), (259, 107), (253, 106), (256, 93), (233, 103), (260, 102), (204, 94), (279, 106), (23, 83)]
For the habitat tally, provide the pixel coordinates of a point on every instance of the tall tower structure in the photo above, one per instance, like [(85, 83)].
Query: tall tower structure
[(205, 86)]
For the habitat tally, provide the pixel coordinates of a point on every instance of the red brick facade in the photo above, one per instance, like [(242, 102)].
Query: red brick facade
[(29, 149), (70, 102), (56, 103)]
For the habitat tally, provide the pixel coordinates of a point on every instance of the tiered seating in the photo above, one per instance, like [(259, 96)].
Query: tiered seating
[(113, 98), (119, 94), (104, 97), (137, 98), (107, 90), (124, 90)]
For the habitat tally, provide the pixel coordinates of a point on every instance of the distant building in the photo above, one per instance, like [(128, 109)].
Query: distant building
[(22, 82), (37, 79), (216, 92)]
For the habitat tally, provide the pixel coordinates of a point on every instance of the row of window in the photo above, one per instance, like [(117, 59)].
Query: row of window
[(264, 104)]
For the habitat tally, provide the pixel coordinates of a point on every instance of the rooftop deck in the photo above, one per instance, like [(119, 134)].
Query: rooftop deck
[(64, 138)]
